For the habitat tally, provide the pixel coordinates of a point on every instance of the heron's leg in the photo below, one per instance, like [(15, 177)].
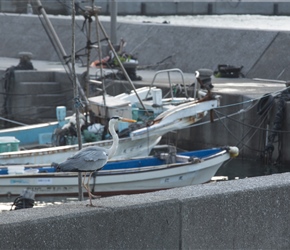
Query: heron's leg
[(95, 196), (87, 188), (89, 191), (83, 183)]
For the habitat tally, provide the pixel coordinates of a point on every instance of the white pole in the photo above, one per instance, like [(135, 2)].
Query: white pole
[(76, 94)]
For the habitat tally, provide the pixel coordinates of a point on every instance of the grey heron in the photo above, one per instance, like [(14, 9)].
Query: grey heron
[(93, 158)]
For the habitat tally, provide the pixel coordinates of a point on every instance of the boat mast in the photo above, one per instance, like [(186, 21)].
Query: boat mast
[(100, 56), (91, 12), (71, 67), (114, 11), (60, 48), (99, 24)]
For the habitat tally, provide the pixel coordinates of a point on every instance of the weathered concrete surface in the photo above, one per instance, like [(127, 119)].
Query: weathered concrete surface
[(273, 62), (241, 214), (149, 7), (261, 53)]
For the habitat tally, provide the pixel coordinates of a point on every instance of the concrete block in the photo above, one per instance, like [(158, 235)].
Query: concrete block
[(52, 100), (114, 225), (24, 113), (191, 8), (33, 88), (129, 8), (8, 6), (54, 7), (272, 64), (237, 7), (21, 105), (159, 8), (283, 8), (32, 76), (238, 214), (28, 114), (250, 213), (45, 111), (233, 220)]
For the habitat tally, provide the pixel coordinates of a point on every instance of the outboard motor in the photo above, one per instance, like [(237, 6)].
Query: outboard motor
[(203, 76)]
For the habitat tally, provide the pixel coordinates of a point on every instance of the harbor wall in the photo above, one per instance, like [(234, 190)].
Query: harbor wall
[(249, 213), (152, 8), (261, 53)]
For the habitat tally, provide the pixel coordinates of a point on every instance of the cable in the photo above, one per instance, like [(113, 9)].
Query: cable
[(246, 134)]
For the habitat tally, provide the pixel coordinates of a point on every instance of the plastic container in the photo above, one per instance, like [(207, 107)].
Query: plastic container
[(60, 115), (8, 144)]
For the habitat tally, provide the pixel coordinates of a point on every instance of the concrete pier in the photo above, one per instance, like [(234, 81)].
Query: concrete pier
[(240, 214)]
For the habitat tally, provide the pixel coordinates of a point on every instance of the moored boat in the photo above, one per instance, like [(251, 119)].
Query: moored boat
[(137, 175), (168, 114)]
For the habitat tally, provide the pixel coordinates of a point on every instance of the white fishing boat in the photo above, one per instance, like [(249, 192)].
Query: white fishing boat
[(171, 113), (137, 175)]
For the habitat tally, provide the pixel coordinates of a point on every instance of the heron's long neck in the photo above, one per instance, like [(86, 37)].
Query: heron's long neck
[(115, 144)]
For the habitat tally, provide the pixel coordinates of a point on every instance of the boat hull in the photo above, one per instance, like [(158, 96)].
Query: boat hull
[(127, 149), (121, 181)]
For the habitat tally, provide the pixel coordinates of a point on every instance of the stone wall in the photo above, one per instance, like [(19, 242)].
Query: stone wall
[(240, 214)]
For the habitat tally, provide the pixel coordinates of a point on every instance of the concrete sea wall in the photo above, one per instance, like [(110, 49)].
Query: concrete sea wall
[(241, 214), (165, 7), (261, 53)]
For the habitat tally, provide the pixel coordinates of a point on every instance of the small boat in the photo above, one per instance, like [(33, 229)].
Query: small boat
[(164, 170), (168, 113)]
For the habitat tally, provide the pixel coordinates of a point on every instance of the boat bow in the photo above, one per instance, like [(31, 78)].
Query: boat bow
[(176, 118)]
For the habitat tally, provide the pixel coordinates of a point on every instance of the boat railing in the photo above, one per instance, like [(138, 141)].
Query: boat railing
[(169, 72)]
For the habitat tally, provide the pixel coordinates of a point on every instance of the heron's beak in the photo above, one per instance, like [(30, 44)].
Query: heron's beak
[(127, 120)]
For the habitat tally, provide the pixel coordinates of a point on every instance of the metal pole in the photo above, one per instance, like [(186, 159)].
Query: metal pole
[(101, 63), (60, 47), (121, 64), (89, 51), (113, 12), (76, 94)]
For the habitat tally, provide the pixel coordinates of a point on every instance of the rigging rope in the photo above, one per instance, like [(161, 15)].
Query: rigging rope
[(277, 128)]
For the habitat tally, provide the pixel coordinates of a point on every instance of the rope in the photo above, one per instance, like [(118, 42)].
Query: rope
[(277, 128), (240, 141)]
